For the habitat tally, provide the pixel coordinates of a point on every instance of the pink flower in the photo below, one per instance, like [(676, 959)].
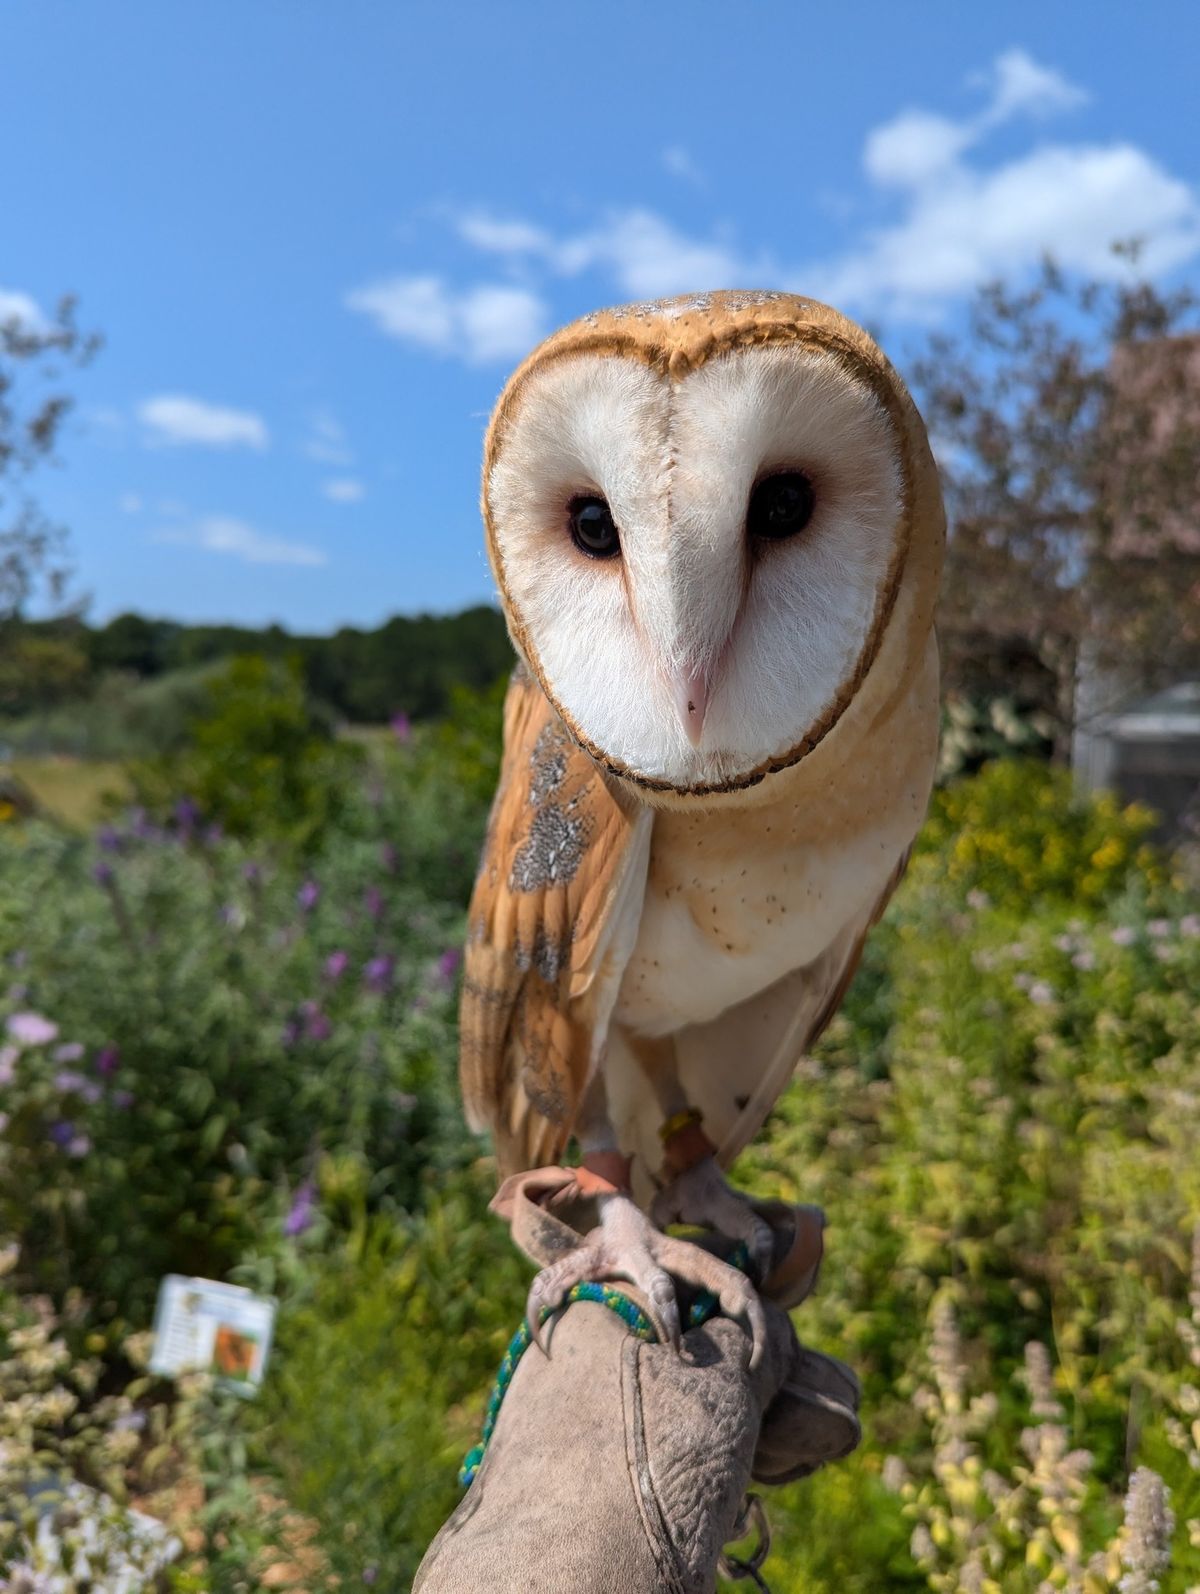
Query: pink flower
[(31, 1029), (107, 1059), (1189, 926), (1084, 960), (1040, 993), (335, 965), (1158, 928), (69, 1052), (401, 726), (1123, 936)]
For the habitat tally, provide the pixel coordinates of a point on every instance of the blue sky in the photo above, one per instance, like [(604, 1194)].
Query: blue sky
[(316, 236)]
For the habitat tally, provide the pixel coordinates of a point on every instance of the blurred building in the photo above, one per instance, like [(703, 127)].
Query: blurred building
[(1146, 749)]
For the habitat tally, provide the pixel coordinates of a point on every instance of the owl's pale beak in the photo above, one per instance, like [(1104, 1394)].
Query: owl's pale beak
[(691, 701)]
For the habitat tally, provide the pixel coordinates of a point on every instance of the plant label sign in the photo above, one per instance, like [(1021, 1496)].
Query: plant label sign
[(202, 1326)]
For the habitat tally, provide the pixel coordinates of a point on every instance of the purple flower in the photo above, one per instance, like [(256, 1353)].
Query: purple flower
[(78, 1146), (123, 1099), (447, 964), (373, 901), (107, 1059), (62, 1133), (377, 975), (31, 1029), (300, 1213), (1123, 936), (1189, 926), (102, 874), (252, 873), (108, 839), (401, 726), (308, 895), (389, 857), (292, 1032), (187, 815), (336, 964), (215, 833), (68, 1052), (1158, 928)]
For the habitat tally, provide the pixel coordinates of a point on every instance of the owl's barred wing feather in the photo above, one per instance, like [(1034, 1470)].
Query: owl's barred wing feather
[(551, 925)]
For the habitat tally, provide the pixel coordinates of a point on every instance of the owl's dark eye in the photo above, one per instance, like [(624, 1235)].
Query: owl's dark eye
[(593, 530), (780, 506)]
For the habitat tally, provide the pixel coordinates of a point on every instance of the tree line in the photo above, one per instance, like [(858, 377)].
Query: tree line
[(409, 664)]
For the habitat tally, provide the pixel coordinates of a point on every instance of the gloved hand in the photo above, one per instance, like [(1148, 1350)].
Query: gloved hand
[(619, 1467)]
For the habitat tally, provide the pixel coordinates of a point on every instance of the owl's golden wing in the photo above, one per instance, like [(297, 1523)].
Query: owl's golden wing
[(552, 923)]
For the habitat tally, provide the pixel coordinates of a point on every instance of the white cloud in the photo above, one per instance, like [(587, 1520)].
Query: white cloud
[(963, 223), (500, 322), (21, 309), (326, 441), (344, 490), (1019, 83), (679, 163), (648, 257), (130, 503), (644, 254), (499, 236), (176, 418), (225, 535), (958, 221), (913, 148), (413, 309), (492, 321)]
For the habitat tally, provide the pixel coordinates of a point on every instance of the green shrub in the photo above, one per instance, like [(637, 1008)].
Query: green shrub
[(259, 760), (189, 1027)]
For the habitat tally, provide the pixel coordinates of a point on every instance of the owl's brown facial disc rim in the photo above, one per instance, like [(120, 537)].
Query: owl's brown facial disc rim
[(872, 371)]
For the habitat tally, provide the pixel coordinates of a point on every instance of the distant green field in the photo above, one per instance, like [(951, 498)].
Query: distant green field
[(74, 790)]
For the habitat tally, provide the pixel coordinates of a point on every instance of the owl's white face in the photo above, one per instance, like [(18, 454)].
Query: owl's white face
[(757, 504)]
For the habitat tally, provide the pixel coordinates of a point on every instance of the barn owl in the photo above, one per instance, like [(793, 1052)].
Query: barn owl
[(716, 530)]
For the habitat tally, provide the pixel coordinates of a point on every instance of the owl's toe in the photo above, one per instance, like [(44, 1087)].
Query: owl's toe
[(625, 1246), (703, 1197), (734, 1291)]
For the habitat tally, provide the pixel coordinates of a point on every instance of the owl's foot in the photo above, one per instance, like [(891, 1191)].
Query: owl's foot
[(626, 1245), (785, 1242), (701, 1195)]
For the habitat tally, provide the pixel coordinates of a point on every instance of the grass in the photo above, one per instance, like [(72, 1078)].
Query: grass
[(75, 791)]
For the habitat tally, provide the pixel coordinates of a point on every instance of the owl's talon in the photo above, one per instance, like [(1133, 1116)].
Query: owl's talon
[(549, 1289), (628, 1246), (702, 1196)]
